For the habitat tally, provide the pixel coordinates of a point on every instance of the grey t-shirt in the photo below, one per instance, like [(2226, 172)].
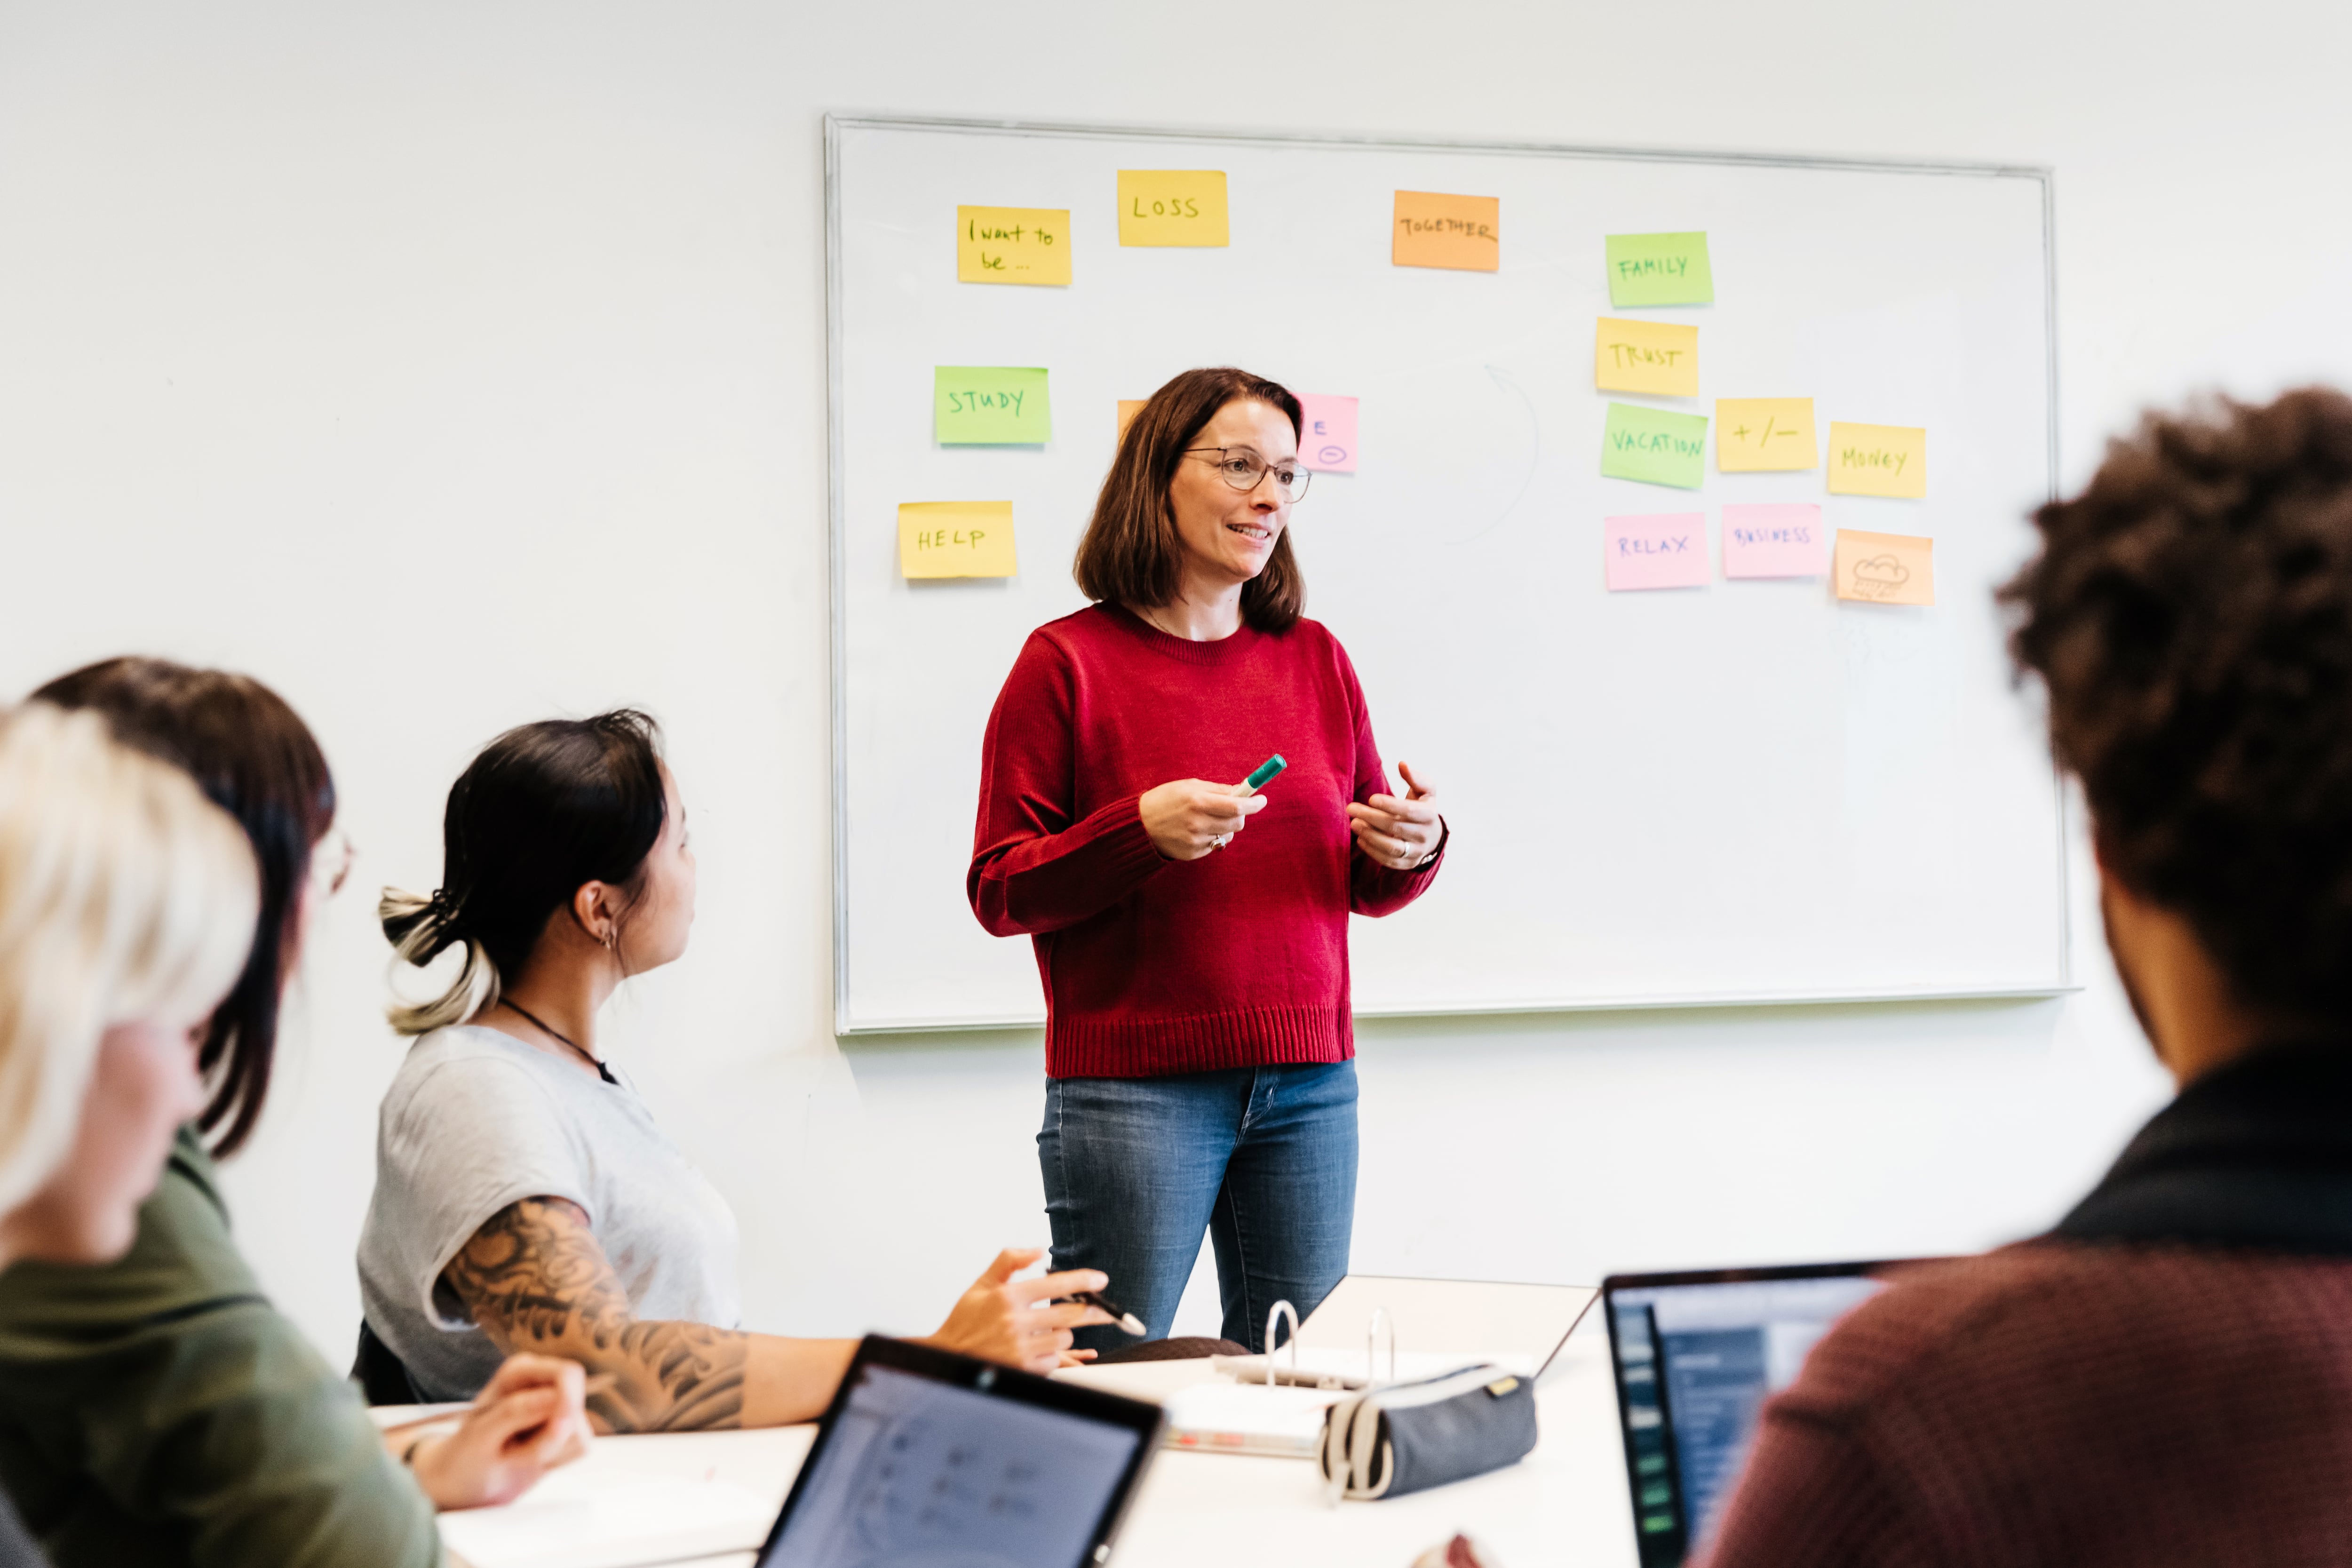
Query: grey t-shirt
[(476, 1120)]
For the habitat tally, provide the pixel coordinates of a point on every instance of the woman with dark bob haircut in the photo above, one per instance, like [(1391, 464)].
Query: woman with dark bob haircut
[(1198, 1030)]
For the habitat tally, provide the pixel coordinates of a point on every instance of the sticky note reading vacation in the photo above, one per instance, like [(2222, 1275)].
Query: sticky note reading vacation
[(1655, 446), (990, 405), (956, 539), (1013, 245), (1326, 440), (1171, 206), (1878, 461), (1659, 269), (1885, 568), (1465, 233), (1774, 541), (1656, 357), (1753, 435), (1664, 550)]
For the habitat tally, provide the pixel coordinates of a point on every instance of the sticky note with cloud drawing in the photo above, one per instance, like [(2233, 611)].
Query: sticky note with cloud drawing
[(1885, 568)]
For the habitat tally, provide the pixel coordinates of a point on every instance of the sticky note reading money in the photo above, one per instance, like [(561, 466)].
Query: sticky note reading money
[(990, 405), (1659, 269), (1128, 407), (1656, 357), (956, 539), (1777, 541), (1171, 206), (1013, 245), (1662, 550), (1885, 568), (1753, 435), (1326, 440), (1655, 446), (1877, 460), (1465, 233)]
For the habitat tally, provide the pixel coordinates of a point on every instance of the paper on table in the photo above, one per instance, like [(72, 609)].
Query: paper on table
[(990, 405), (576, 1520), (956, 539), (1885, 568), (1777, 541), (1659, 269), (1655, 446), (1328, 439), (1465, 233), (1173, 206), (1663, 551), (1246, 1418), (1753, 435), (1128, 407), (1658, 357), (1878, 461), (1013, 245)]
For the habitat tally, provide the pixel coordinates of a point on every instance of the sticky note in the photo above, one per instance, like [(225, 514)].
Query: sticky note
[(1013, 245), (1777, 541), (1171, 206), (1461, 232), (1128, 407), (1663, 551), (1756, 434), (1877, 460), (956, 539), (1658, 357), (1326, 439), (980, 405), (1659, 269), (1885, 568), (1655, 446)]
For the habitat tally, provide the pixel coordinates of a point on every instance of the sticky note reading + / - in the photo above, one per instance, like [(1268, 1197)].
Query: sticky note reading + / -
[(1656, 357), (1662, 550), (1885, 568), (1326, 440), (1775, 540), (955, 538), (1465, 233), (1659, 269), (1655, 446), (1878, 461), (1753, 435), (990, 405), (1171, 206), (1013, 245)]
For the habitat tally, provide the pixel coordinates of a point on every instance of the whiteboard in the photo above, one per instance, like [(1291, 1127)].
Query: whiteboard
[(1746, 792)]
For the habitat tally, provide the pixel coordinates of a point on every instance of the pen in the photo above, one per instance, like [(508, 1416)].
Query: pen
[(1126, 1319), (1265, 775)]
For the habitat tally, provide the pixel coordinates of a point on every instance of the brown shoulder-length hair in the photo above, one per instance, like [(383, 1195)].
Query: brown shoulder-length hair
[(1130, 552)]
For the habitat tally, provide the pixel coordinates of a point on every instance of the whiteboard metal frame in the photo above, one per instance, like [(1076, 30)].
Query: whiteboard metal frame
[(835, 124)]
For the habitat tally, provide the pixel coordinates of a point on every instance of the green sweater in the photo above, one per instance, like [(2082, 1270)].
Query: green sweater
[(160, 1410)]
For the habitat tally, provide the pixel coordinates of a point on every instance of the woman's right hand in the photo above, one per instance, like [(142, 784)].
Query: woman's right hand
[(1189, 817), (998, 1319), (530, 1418)]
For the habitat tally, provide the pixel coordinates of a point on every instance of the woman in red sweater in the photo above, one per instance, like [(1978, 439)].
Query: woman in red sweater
[(1198, 1039)]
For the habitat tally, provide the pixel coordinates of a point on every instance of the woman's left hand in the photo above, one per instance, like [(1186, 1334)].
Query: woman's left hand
[(1398, 833)]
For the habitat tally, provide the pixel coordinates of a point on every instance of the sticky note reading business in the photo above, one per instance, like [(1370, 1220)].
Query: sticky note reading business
[(1326, 440), (1658, 357), (1465, 233), (1777, 541), (1013, 245), (990, 405), (1171, 206), (1885, 568), (1755, 434), (1659, 269), (1662, 550), (1654, 446), (1877, 460), (955, 538)]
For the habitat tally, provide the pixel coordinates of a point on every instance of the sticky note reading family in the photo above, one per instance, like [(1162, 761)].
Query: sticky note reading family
[(1877, 460), (1753, 434), (955, 538), (1774, 541), (1326, 440), (1655, 446), (1659, 269), (1656, 357), (1665, 551), (990, 405), (1171, 206), (1013, 245), (1885, 568), (1465, 233)]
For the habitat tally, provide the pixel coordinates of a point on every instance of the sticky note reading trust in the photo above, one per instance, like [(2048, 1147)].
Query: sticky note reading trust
[(956, 539), (1656, 357), (1326, 440), (1655, 446), (1877, 460), (1171, 206), (1128, 407), (1465, 233), (1753, 435), (1659, 269), (1013, 245), (1885, 568), (1666, 550), (1779, 541), (980, 405)]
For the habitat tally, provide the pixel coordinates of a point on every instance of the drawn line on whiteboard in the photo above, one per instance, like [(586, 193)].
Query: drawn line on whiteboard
[(1535, 453)]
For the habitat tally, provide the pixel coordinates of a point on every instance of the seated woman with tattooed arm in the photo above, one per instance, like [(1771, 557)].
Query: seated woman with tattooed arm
[(525, 1200)]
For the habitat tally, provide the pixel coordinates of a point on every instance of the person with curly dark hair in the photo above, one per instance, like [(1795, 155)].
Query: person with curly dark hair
[(2167, 1376)]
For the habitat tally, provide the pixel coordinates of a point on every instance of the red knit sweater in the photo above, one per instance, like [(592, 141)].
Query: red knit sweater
[(1152, 965)]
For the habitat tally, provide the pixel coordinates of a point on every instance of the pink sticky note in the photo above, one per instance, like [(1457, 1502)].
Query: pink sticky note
[(1774, 541), (1326, 438), (1666, 550)]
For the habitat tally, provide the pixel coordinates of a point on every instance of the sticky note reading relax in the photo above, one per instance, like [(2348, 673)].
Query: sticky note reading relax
[(1655, 446), (1013, 245), (1753, 435), (1877, 460), (1465, 233), (1326, 440), (956, 539), (1662, 550), (1659, 269), (1171, 206), (980, 405), (1885, 568), (1658, 357), (1779, 541)]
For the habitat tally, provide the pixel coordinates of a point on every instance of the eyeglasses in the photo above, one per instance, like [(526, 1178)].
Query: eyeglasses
[(1245, 471)]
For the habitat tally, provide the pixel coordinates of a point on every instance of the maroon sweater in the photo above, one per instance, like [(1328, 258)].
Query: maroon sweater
[(1151, 965)]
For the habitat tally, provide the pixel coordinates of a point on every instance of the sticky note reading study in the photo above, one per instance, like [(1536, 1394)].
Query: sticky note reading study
[(1013, 245), (1659, 269), (990, 405), (1655, 446), (1328, 437), (956, 539), (1878, 461), (1885, 568), (1658, 357), (1663, 551), (1757, 435), (1173, 206), (1463, 233), (1775, 540)]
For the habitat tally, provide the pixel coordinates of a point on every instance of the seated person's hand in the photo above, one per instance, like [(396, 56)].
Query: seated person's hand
[(530, 1418), (998, 1319)]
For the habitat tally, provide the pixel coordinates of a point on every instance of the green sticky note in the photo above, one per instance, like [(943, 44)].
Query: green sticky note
[(1659, 269), (1655, 446), (990, 405)]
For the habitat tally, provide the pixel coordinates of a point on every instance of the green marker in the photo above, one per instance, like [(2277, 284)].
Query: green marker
[(1265, 772)]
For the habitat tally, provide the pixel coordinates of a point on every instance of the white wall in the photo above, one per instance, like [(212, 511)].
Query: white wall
[(449, 365)]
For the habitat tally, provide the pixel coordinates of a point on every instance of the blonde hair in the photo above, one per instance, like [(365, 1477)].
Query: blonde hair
[(124, 895)]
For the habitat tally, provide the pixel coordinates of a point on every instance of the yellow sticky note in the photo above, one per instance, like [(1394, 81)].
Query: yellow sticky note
[(1128, 407), (1656, 357), (1757, 433), (1885, 568), (1877, 460), (956, 539), (1461, 232), (1013, 245), (1171, 206)]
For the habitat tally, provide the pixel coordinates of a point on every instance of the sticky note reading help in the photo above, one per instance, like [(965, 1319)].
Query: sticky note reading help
[(956, 539), (1773, 540), (1013, 245), (1885, 568), (982, 404), (1877, 460), (1658, 357), (1326, 440), (1655, 446), (1663, 551), (1753, 435), (1659, 269), (1465, 233), (1171, 206)]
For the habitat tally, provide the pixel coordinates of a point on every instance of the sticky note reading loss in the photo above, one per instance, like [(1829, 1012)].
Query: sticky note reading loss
[(1773, 540), (1655, 446), (1878, 461), (1171, 206), (1465, 233), (1656, 357), (975, 404), (1663, 551), (1013, 245), (956, 539), (1659, 269), (1885, 568), (1326, 440), (1755, 434)]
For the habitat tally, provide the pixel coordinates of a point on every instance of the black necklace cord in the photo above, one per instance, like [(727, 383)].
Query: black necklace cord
[(536, 1022)]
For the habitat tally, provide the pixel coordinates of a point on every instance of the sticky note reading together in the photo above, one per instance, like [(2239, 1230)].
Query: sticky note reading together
[(955, 538), (1655, 446), (1659, 269), (1465, 233), (1756, 434), (1171, 206), (1877, 460), (980, 405), (1773, 540), (1885, 568), (1013, 245), (1663, 551), (1326, 440), (1658, 357)]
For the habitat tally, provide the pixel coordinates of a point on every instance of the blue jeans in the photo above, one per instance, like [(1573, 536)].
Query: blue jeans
[(1263, 1159)]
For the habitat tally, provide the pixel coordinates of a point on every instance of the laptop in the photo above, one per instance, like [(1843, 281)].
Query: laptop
[(931, 1459)]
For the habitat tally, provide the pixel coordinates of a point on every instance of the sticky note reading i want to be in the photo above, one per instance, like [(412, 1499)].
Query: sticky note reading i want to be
[(1885, 568), (1755, 434), (1878, 461), (1663, 551), (1171, 206), (1777, 541), (1326, 440), (1655, 446), (956, 539), (1013, 245), (1656, 357), (1659, 269), (990, 405), (1465, 233)]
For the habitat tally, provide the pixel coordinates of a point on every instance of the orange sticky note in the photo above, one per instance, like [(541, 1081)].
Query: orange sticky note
[(1658, 357), (1128, 407), (956, 539), (1885, 568), (1878, 461), (1758, 434), (1461, 232)]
